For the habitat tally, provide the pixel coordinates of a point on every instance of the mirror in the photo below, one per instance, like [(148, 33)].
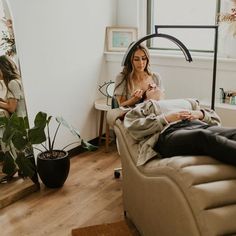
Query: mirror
[(107, 89), (110, 89), (12, 99)]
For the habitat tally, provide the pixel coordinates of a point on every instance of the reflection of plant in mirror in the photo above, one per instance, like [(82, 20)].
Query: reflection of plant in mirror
[(18, 139)]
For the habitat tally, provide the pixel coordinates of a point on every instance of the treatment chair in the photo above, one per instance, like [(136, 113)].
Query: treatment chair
[(177, 196)]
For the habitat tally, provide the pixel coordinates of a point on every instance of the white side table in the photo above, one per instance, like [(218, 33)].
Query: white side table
[(101, 105)]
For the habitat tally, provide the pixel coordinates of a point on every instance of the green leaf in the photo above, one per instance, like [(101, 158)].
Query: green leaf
[(26, 122), (3, 121), (37, 135), (88, 146), (62, 121), (9, 165), (8, 134), (25, 165), (20, 141), (40, 119), (2, 156), (17, 122)]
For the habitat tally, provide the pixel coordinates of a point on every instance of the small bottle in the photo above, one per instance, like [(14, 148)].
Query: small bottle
[(233, 100)]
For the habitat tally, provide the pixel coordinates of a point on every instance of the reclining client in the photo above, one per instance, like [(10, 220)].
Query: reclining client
[(174, 127)]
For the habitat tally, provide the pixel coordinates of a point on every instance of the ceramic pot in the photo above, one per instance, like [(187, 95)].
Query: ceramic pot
[(53, 171)]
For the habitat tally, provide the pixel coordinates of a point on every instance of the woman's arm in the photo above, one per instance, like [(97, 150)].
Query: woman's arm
[(135, 98)]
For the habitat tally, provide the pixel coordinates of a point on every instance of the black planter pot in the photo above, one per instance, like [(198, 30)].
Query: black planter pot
[(53, 172)]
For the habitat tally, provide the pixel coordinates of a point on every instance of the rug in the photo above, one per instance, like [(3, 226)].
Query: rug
[(121, 228)]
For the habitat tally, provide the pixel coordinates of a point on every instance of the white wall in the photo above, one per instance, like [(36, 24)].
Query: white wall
[(60, 44)]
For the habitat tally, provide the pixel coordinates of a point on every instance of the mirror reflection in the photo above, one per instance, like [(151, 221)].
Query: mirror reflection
[(110, 89), (12, 99)]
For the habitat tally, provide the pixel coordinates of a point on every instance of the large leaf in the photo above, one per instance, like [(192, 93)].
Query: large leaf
[(17, 122), (62, 121), (20, 141), (88, 146), (2, 156), (3, 121), (40, 119), (36, 135), (25, 165), (8, 133), (9, 165), (14, 125), (75, 132)]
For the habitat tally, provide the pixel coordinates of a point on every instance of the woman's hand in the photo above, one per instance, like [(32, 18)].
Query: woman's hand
[(137, 94)]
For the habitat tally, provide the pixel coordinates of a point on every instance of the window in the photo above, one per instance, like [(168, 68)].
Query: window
[(183, 12)]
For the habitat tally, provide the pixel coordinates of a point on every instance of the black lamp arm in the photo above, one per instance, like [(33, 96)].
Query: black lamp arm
[(171, 38)]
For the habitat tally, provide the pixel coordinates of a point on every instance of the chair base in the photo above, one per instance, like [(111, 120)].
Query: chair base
[(117, 172)]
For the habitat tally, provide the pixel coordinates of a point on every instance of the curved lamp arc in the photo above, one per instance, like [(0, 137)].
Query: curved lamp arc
[(167, 36)]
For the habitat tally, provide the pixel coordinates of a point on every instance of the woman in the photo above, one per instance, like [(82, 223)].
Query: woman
[(135, 79), (12, 97), (179, 127), (13, 101)]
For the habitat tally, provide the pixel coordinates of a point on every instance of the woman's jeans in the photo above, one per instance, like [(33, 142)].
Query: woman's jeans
[(215, 141)]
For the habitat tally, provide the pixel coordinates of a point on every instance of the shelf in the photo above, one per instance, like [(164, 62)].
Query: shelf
[(219, 105)]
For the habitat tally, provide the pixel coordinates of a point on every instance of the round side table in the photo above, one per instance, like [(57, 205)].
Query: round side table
[(101, 105)]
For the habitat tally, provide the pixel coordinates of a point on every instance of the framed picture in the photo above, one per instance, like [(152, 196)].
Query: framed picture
[(119, 38)]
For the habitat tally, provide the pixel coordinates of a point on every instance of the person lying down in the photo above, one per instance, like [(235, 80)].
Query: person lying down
[(167, 128)]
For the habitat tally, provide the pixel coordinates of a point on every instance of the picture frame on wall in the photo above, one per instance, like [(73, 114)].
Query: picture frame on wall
[(119, 38)]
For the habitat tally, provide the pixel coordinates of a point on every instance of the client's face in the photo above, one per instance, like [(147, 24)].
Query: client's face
[(154, 93)]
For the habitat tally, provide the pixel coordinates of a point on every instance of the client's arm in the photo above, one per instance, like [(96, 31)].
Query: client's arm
[(209, 115)]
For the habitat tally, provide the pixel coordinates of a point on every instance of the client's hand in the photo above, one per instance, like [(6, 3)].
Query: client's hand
[(194, 115), (184, 115)]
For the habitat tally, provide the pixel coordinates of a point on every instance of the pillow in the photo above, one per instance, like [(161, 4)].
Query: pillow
[(174, 105)]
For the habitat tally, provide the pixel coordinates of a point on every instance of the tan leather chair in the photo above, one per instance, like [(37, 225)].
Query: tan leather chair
[(178, 196)]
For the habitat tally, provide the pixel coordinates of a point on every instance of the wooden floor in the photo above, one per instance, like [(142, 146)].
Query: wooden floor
[(90, 196)]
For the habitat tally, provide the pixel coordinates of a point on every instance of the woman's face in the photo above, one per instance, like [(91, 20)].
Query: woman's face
[(139, 60)]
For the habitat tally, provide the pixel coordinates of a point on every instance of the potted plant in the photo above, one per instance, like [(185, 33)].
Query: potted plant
[(14, 159), (18, 139)]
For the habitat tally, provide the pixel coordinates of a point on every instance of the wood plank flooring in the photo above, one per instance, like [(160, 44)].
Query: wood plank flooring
[(90, 196)]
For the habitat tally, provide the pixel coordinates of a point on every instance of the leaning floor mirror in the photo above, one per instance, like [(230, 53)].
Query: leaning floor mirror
[(14, 163)]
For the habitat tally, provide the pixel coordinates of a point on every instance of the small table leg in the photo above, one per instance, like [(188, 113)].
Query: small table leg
[(101, 128), (107, 137)]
